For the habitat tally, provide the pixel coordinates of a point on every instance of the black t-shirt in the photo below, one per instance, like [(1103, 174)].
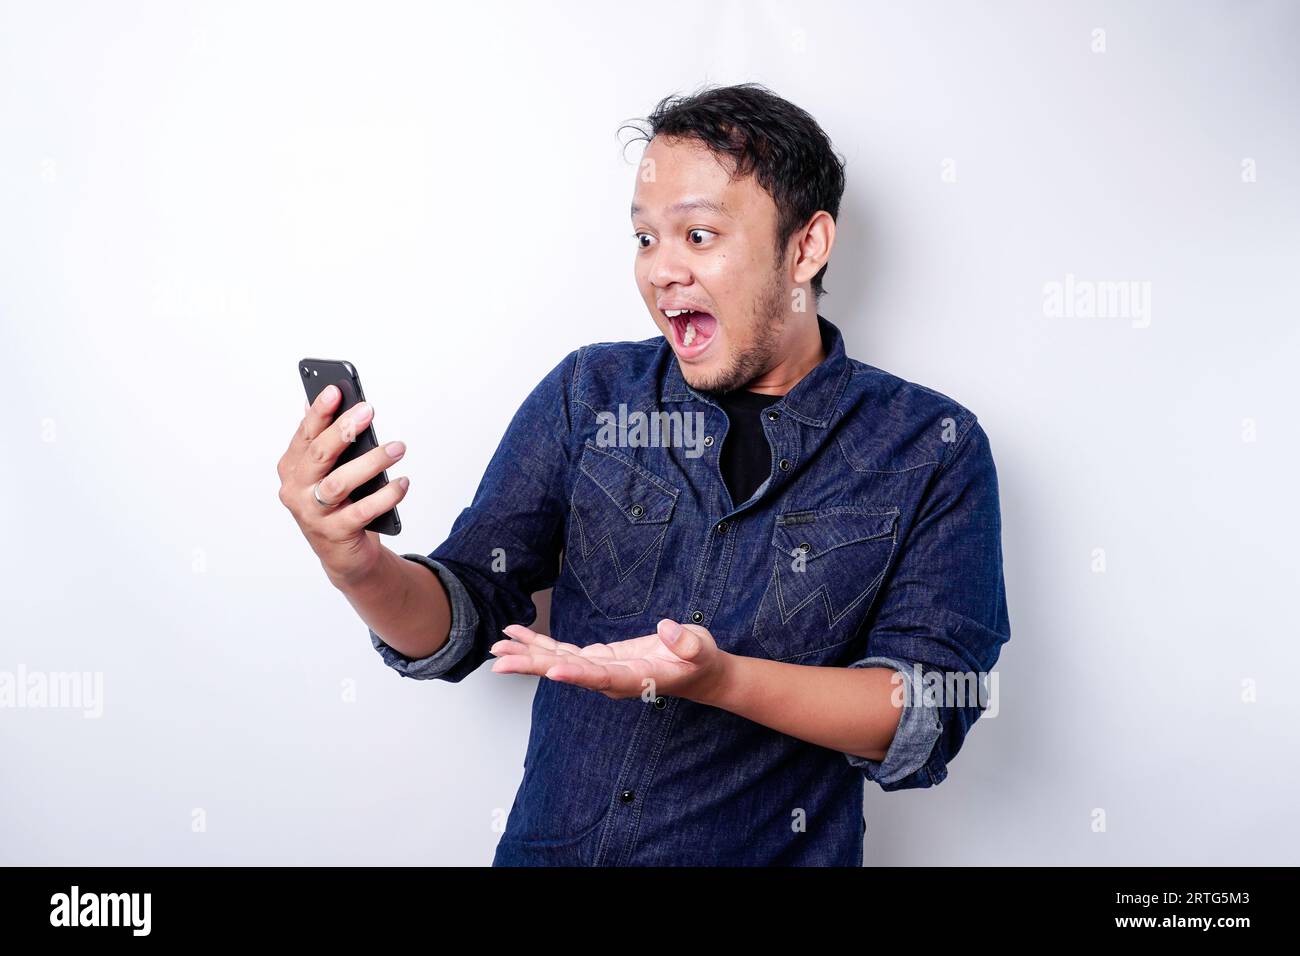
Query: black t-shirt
[(746, 459)]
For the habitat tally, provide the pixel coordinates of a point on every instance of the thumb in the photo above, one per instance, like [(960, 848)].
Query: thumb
[(682, 641)]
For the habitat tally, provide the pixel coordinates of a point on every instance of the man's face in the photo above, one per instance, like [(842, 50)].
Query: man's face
[(706, 243)]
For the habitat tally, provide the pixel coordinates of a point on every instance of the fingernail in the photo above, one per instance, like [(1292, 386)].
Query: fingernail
[(394, 448), (404, 482), (327, 395), (361, 412)]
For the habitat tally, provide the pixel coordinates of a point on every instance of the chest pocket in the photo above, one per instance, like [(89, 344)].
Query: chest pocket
[(618, 519), (826, 570)]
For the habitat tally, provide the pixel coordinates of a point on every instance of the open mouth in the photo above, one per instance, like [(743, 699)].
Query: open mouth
[(692, 330)]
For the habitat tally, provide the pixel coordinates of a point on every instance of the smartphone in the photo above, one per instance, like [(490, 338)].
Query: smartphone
[(319, 374)]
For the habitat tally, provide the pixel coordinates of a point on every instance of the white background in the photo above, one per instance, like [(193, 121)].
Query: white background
[(192, 197)]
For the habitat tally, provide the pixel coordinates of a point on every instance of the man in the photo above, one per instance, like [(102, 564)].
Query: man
[(768, 560)]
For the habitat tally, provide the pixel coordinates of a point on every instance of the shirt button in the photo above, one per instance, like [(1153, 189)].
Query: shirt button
[(773, 416), (708, 441), (637, 511), (721, 527), (697, 616), (785, 464), (627, 796), (661, 703)]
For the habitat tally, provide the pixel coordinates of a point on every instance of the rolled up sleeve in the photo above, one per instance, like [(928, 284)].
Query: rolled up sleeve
[(505, 546), (464, 624), (918, 729), (942, 618)]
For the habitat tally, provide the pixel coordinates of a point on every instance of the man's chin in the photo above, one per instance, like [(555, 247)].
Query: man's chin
[(706, 378)]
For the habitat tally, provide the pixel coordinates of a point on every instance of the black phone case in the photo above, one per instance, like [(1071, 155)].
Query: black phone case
[(319, 374)]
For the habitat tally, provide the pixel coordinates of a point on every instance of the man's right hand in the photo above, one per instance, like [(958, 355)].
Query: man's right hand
[(337, 533)]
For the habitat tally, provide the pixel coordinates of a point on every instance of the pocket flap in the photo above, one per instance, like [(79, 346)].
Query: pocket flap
[(642, 497), (816, 532)]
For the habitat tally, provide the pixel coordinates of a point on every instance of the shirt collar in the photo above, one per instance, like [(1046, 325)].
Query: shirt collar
[(813, 399)]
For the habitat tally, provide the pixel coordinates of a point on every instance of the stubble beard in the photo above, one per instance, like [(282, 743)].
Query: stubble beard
[(750, 362)]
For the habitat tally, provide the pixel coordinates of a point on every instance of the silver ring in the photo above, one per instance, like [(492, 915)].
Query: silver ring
[(315, 493)]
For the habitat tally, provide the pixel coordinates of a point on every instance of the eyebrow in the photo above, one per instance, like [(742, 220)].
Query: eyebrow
[(689, 205)]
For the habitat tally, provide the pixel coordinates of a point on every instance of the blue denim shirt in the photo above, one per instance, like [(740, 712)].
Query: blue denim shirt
[(874, 542)]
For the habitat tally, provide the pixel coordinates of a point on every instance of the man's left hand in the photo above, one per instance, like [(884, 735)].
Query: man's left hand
[(680, 660)]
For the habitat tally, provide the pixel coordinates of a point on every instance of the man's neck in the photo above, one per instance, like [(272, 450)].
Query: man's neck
[(804, 354)]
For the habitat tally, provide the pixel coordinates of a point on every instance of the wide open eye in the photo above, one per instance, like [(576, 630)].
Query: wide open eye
[(638, 236), (695, 232)]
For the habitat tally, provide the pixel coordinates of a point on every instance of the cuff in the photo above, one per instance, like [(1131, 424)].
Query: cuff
[(918, 728), (464, 622)]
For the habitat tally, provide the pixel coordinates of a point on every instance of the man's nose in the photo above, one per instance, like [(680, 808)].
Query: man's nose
[(668, 267)]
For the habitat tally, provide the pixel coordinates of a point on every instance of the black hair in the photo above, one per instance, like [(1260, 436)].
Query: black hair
[(789, 154)]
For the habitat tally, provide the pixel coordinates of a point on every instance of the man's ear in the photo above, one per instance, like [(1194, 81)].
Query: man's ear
[(813, 247)]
